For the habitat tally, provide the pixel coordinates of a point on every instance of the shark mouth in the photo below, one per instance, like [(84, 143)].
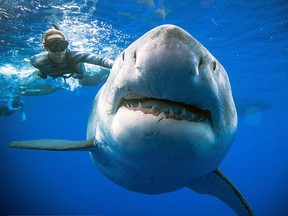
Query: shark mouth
[(167, 109)]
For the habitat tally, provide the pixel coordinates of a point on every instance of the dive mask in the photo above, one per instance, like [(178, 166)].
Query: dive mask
[(56, 45)]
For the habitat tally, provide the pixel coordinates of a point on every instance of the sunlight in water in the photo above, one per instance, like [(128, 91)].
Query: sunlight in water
[(71, 84), (9, 71), (84, 33)]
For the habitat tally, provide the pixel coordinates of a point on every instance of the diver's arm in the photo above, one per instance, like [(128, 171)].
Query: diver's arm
[(92, 59), (38, 61)]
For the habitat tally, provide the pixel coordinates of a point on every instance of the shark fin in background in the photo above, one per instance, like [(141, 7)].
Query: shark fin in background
[(216, 184), (55, 144)]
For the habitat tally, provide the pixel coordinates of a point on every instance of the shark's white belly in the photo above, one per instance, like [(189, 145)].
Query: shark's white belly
[(154, 155)]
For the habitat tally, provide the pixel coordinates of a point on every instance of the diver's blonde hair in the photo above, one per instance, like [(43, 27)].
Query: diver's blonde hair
[(50, 32)]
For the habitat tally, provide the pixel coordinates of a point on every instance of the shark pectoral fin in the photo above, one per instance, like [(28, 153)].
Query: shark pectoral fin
[(216, 184), (55, 144)]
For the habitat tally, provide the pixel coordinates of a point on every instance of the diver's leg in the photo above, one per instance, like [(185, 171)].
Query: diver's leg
[(38, 90), (31, 78)]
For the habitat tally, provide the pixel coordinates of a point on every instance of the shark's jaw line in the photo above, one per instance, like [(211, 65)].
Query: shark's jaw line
[(165, 108)]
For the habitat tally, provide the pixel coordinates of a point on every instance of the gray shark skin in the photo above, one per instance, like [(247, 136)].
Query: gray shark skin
[(164, 119)]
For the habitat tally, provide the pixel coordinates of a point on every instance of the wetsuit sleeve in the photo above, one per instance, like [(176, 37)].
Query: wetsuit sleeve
[(92, 59), (37, 61)]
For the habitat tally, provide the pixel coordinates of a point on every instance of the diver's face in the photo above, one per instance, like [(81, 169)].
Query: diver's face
[(57, 57), (56, 47)]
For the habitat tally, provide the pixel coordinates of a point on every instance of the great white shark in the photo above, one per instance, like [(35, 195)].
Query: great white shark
[(164, 119)]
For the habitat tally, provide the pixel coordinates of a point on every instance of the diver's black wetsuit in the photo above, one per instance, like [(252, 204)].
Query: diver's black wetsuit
[(72, 66), (12, 106), (5, 111)]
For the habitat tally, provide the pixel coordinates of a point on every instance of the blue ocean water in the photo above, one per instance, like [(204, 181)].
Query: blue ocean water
[(249, 38)]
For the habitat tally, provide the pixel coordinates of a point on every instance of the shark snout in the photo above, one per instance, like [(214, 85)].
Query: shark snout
[(171, 56), (165, 64), (171, 65)]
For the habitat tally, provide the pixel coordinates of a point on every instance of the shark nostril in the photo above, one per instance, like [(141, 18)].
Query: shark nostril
[(123, 56), (201, 62), (135, 56), (214, 65)]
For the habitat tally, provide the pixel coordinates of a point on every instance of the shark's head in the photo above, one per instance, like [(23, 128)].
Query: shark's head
[(165, 115)]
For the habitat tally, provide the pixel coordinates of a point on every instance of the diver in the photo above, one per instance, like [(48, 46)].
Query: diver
[(14, 104), (59, 61)]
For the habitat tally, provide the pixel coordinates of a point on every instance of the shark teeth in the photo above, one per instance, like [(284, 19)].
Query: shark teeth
[(169, 109)]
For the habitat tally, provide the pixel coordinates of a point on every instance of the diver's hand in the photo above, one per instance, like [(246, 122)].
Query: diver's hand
[(43, 76)]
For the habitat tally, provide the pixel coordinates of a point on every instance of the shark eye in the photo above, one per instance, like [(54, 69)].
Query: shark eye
[(123, 56), (214, 65)]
